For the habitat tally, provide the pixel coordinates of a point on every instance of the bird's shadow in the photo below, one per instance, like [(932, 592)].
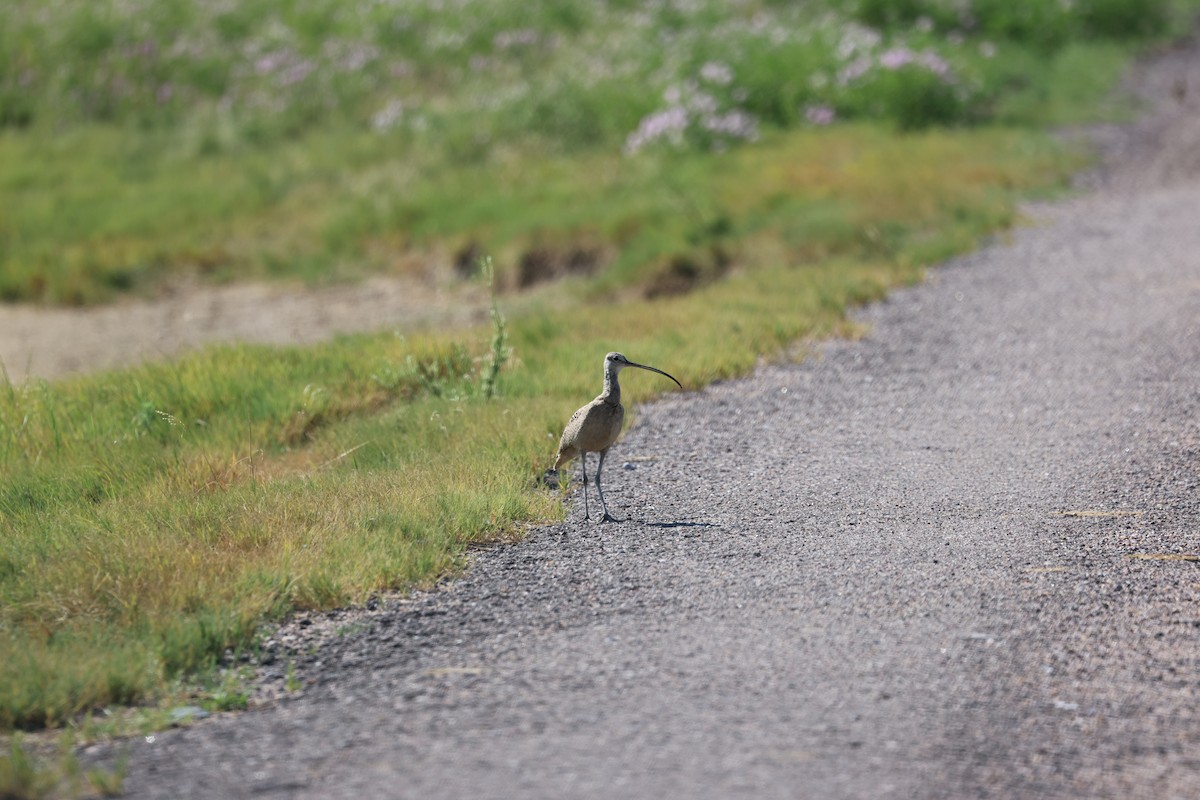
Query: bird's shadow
[(664, 525), (679, 524), (548, 480)]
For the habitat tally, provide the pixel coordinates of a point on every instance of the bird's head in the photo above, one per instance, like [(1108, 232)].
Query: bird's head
[(615, 362)]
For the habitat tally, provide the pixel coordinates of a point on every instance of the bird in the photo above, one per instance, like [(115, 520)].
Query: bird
[(594, 428)]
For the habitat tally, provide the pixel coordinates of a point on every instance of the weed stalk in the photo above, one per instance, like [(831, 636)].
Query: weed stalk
[(500, 350)]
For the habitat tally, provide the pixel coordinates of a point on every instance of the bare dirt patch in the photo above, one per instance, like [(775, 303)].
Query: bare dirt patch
[(53, 342)]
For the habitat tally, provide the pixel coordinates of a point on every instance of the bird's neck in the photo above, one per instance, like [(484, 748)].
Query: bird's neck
[(612, 389)]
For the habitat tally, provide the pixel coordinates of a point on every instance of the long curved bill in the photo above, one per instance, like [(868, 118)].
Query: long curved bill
[(655, 369)]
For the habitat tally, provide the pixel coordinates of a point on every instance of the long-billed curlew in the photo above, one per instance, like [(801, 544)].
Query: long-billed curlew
[(594, 428)]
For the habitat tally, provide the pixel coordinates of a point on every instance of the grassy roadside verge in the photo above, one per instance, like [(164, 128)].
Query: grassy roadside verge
[(158, 515)]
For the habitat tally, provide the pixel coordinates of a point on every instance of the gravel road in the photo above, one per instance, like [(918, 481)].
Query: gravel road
[(925, 564)]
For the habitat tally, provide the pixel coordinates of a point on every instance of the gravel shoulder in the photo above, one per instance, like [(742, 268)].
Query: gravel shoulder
[(941, 561)]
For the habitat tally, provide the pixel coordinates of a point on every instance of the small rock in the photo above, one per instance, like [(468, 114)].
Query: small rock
[(187, 714)]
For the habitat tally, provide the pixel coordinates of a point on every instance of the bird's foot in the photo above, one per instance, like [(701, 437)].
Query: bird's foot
[(608, 518)]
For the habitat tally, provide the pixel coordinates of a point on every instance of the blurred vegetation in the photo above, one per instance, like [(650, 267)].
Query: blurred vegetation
[(142, 141), (570, 72)]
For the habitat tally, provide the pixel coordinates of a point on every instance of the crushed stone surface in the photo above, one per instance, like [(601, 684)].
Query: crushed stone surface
[(947, 560)]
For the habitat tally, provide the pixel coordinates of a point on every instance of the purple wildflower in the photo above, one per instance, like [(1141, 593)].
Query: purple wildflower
[(388, 117), (819, 115), (482, 63), (716, 72), (854, 70), (670, 123), (934, 63), (857, 39), (735, 124), (693, 110), (702, 103), (350, 56), (268, 63), (897, 57), (523, 37), (296, 72)]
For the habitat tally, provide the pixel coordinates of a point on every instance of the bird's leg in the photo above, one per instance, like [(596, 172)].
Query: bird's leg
[(607, 517), (583, 468)]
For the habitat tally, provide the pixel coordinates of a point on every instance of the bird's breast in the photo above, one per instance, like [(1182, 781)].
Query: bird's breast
[(600, 427)]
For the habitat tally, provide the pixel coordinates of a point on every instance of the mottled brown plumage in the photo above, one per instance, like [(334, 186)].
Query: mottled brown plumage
[(594, 428)]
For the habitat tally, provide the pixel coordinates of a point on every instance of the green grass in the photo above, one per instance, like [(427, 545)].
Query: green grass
[(106, 231), (147, 141), (157, 516), (26, 775), (1077, 88)]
